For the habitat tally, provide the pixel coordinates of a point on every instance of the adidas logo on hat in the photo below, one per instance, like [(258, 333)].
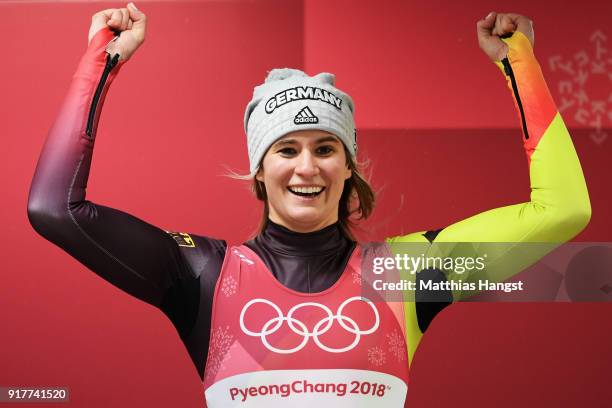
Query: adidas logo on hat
[(305, 116)]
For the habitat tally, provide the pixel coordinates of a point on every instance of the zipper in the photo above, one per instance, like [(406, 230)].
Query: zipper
[(110, 64), (510, 73)]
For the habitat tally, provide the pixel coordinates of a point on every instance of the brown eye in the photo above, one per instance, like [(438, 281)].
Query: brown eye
[(325, 150), (287, 151)]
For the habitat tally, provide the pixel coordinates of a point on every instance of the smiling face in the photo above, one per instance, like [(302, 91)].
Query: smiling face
[(304, 174)]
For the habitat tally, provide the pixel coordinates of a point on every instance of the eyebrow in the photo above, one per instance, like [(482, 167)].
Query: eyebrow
[(293, 141)]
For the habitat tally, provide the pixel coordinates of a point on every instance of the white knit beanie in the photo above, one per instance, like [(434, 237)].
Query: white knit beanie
[(289, 100)]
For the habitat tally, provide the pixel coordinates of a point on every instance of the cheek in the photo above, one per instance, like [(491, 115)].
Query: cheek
[(338, 173), (276, 176)]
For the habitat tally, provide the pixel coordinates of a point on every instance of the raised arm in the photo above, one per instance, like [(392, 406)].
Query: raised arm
[(559, 206), (135, 256)]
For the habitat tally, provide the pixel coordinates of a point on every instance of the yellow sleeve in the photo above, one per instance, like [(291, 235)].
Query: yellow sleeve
[(559, 206)]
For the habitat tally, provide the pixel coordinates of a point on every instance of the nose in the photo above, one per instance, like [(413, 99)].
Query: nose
[(307, 165)]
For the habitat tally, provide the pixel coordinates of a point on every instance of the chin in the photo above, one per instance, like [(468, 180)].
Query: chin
[(306, 218)]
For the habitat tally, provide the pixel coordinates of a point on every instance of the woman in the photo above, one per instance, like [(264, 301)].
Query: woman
[(280, 319)]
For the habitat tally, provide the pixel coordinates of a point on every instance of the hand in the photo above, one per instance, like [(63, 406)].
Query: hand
[(129, 22), (496, 25)]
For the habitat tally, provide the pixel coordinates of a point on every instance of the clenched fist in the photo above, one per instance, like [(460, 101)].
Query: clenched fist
[(494, 26), (130, 22)]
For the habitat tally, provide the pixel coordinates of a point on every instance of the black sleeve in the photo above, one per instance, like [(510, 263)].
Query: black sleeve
[(175, 272), (131, 254)]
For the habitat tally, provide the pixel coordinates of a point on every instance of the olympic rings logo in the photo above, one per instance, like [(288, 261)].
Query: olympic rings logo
[(298, 327)]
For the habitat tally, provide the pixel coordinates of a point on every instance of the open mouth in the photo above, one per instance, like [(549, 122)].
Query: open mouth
[(306, 191)]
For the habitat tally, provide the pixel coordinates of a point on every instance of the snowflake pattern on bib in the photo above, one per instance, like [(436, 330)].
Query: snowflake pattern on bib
[(376, 356), (356, 277), (219, 350), (229, 286), (397, 346)]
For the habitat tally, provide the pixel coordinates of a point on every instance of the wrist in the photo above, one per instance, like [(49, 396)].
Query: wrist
[(532, 96), (95, 58), (520, 51)]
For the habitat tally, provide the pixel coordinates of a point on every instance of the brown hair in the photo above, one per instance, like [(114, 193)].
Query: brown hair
[(356, 202)]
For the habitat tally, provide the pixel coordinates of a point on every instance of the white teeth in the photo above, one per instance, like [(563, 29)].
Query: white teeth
[(306, 190)]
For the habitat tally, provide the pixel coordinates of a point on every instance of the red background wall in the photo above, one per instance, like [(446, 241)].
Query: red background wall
[(434, 116)]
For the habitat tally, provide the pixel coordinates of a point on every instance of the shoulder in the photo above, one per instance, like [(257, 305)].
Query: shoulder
[(420, 237), (198, 251)]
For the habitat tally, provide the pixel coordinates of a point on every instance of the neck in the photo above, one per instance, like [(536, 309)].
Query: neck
[(302, 228), (286, 240)]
